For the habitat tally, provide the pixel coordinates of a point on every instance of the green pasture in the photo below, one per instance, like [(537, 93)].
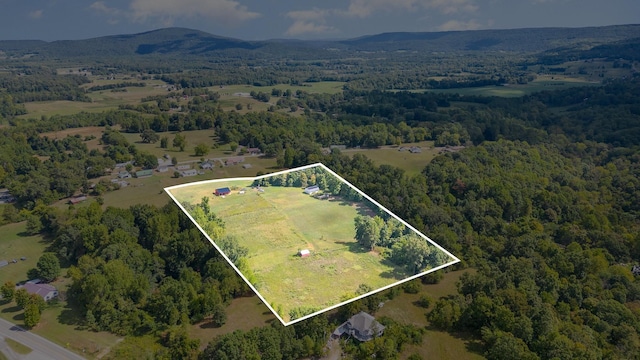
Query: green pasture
[(243, 313), (321, 87), (542, 83), (412, 164), (275, 224), (101, 100), (14, 244)]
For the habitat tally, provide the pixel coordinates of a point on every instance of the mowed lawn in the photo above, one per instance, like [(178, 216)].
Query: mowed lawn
[(14, 244), (276, 224)]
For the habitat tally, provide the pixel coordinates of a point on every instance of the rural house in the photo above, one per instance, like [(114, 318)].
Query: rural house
[(46, 291), (190, 172), (234, 160), (207, 165), (144, 173), (310, 190), (222, 191), (361, 326)]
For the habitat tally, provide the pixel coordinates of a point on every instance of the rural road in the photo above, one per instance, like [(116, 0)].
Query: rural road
[(43, 349)]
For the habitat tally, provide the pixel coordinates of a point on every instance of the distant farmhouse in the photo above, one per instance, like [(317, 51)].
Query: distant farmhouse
[(144, 173), (124, 175), (183, 167), (190, 172), (222, 191), (45, 291), (310, 190), (207, 165), (234, 160), (361, 326)]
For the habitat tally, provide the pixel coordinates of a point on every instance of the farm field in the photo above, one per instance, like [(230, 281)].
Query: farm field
[(542, 83), (101, 100), (412, 164), (274, 223)]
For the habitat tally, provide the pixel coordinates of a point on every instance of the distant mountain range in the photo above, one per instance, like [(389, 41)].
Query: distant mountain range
[(188, 42)]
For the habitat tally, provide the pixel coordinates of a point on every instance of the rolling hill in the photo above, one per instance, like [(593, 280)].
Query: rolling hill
[(188, 42)]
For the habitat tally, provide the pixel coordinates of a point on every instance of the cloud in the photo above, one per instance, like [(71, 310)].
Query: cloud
[(365, 8), (307, 27), (36, 14), (100, 6), (309, 22), (228, 12), (460, 25)]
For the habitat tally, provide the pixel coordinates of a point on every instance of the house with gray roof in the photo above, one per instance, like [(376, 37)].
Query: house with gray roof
[(361, 326), (46, 291)]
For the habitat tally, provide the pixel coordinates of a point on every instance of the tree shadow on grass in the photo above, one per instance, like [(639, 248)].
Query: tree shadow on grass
[(18, 317), (71, 316), (353, 247), (209, 325), (12, 309), (472, 343), (397, 273)]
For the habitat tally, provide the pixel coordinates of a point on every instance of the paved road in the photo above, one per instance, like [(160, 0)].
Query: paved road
[(43, 349)]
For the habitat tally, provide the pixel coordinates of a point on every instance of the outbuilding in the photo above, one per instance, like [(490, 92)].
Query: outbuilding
[(222, 191), (304, 253), (310, 190)]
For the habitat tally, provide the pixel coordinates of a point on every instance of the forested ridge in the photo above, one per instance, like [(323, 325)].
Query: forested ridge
[(543, 203)]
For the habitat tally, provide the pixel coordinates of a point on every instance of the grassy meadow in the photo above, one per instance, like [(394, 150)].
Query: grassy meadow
[(275, 224), (412, 164), (542, 83)]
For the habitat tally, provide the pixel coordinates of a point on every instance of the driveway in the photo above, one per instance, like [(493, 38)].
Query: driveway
[(43, 349)]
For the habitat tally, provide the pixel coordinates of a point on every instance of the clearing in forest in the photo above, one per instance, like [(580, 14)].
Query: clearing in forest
[(307, 241)]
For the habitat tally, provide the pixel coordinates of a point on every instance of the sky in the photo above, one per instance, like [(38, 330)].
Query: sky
[(301, 19)]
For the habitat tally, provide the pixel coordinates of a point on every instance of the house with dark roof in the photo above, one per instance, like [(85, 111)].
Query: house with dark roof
[(361, 326), (222, 191), (46, 291)]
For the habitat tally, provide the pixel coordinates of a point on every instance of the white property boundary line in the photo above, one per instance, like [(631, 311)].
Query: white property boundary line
[(168, 191)]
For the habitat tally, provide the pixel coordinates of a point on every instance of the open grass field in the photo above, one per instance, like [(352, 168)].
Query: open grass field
[(101, 100), (14, 244), (542, 83), (277, 223), (243, 313), (321, 87), (412, 164)]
